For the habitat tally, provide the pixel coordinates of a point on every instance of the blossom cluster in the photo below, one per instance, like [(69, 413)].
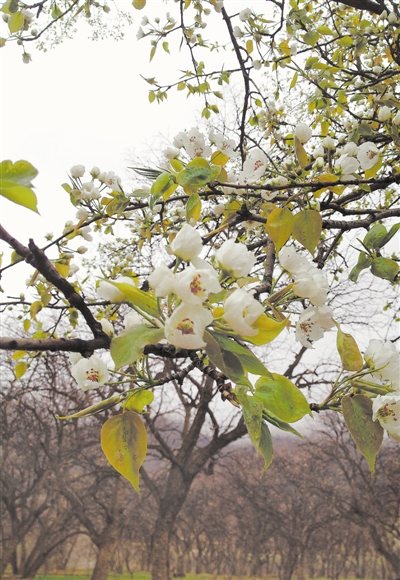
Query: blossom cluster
[(309, 282)]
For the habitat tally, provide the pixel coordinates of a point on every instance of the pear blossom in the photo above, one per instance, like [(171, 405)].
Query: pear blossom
[(254, 166), (303, 132), (386, 410), (185, 328), (392, 18), (346, 165), (350, 148), (380, 354), (140, 33), (171, 152), (89, 191), (82, 214), (219, 209), (193, 142), (133, 319), (368, 155), (107, 326), (312, 285), (293, 47), (90, 373), (396, 119), (82, 250), (95, 171), (241, 310), (74, 357), (110, 179), (162, 280), (292, 261), (26, 58), (377, 69), (235, 258), (77, 171), (85, 233), (245, 14), (193, 286), (109, 292), (187, 244), (256, 64), (238, 32), (312, 324), (225, 145), (318, 152), (328, 143), (384, 113)]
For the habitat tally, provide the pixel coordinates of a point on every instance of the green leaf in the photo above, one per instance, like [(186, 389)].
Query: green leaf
[(392, 232), (367, 434), (138, 399), (15, 183), (294, 80), (280, 226), (256, 427), (282, 398), (139, 4), (16, 22), (385, 268), (193, 207), (364, 261), (227, 362), (311, 38), (325, 30), (346, 41), (249, 361), (128, 346), (124, 443), (301, 154), (375, 237), (265, 445), (143, 300), (307, 228), (196, 174), (349, 352), (271, 418)]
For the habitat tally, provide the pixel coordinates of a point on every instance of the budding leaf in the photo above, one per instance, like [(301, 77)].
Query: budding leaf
[(364, 261), (280, 226), (367, 434), (124, 443), (15, 183), (128, 346)]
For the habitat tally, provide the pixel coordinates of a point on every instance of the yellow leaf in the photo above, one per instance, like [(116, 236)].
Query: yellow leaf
[(249, 46), (20, 369), (268, 330), (279, 226), (176, 165), (294, 80), (18, 354), (124, 443), (307, 228), (219, 158), (301, 154), (369, 173)]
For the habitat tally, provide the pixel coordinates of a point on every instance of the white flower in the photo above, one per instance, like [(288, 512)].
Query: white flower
[(303, 132), (392, 18), (384, 113), (380, 354), (312, 285), (82, 250), (292, 261), (171, 152), (245, 14), (95, 171), (235, 258), (82, 214), (77, 171), (107, 326), (241, 310), (350, 148), (368, 155), (293, 48), (133, 319), (346, 164), (386, 409), (26, 58), (162, 280), (257, 64), (225, 145), (195, 145), (90, 373), (186, 326), (85, 233), (318, 152), (396, 119), (109, 292), (377, 69), (328, 143), (140, 33), (74, 357), (254, 166), (193, 286), (187, 244), (219, 209), (312, 323), (237, 32), (144, 21), (110, 179)]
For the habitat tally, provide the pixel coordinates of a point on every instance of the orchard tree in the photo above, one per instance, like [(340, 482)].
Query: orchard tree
[(241, 231)]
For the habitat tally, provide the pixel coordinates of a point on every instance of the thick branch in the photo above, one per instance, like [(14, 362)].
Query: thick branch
[(374, 7), (85, 347)]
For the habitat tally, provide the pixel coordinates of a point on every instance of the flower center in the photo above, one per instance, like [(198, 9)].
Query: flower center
[(386, 413), (186, 326), (195, 285), (93, 376)]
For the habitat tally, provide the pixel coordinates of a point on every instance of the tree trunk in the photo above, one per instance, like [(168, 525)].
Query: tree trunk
[(104, 561)]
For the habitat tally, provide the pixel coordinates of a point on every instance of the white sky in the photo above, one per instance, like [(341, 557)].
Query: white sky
[(84, 102)]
